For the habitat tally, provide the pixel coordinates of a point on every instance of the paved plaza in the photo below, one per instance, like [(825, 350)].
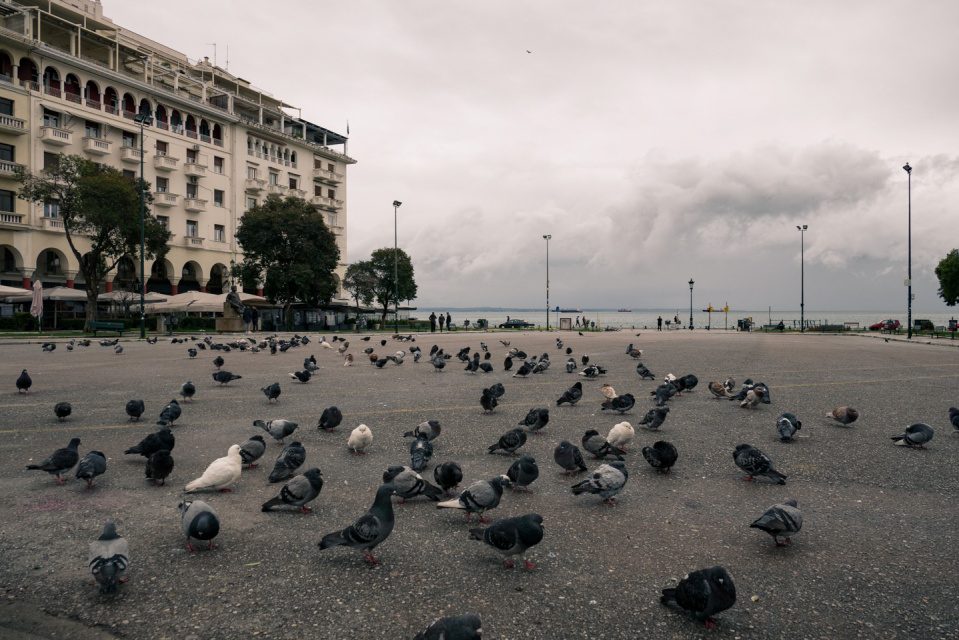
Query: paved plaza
[(876, 557)]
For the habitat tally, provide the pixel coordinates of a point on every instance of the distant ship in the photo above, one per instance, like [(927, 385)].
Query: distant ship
[(570, 310), (624, 310)]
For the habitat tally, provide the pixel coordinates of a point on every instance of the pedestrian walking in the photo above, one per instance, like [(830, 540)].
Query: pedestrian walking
[(577, 321), (432, 322), (247, 319), (659, 323), (449, 322), (256, 319), (442, 320)]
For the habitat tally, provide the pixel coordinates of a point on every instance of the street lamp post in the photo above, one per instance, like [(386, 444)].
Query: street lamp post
[(908, 171), (691, 283), (143, 120), (802, 277), (547, 238), (396, 272)]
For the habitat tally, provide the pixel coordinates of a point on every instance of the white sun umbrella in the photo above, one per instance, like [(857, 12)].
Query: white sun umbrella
[(13, 291), (130, 296), (36, 304)]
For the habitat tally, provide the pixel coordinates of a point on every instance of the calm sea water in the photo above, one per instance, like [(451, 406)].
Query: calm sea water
[(640, 318)]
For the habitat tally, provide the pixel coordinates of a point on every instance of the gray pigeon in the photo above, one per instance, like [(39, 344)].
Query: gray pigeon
[(199, 522), (60, 461), (252, 450), (509, 441), (756, 463), (162, 438), (135, 409), (787, 425), (429, 430), (109, 558), (409, 484), (954, 417), (607, 481), (298, 491), (523, 472), (568, 456), (655, 418), (278, 429), (780, 521), (661, 456), (62, 410), (512, 537), (570, 365), (420, 453), (187, 390), (271, 391), (225, 377), (170, 413), (465, 627), (371, 529), (91, 465), (330, 419), (290, 459), (915, 435), (600, 446), (535, 420), (479, 497), (703, 594)]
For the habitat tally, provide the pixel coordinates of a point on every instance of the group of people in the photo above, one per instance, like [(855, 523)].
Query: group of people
[(586, 324), (447, 320), (251, 319), (659, 322)]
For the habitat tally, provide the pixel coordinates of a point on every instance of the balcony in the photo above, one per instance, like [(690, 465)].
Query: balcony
[(163, 162), (276, 189), (193, 241), (194, 204), (254, 185), (326, 203), (130, 154), (97, 146), (56, 136), (52, 224), (194, 169), (9, 124), (165, 199), (8, 169), (325, 175), (298, 193), (11, 220)]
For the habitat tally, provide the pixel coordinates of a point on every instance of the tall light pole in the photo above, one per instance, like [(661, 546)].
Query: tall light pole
[(396, 273), (144, 120), (691, 283), (908, 171), (547, 238), (802, 277)]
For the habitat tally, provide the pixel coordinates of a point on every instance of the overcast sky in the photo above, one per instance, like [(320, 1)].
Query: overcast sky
[(655, 141)]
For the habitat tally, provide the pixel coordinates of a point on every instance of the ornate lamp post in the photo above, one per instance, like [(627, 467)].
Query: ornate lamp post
[(396, 272), (547, 238), (691, 283), (144, 120), (802, 277)]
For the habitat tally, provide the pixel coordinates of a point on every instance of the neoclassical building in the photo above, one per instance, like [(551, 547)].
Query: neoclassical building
[(72, 81)]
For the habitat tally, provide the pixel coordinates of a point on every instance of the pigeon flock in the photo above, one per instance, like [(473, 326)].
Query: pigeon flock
[(421, 472)]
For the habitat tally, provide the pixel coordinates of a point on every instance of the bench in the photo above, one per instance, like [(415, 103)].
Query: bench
[(118, 327)]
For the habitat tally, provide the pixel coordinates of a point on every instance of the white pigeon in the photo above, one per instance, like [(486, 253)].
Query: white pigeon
[(325, 344), (360, 439), (621, 434), (221, 473), (348, 361)]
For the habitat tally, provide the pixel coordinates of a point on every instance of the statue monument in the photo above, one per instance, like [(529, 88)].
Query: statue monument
[(233, 308)]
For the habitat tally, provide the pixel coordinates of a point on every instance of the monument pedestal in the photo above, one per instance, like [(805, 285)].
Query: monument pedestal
[(229, 325)]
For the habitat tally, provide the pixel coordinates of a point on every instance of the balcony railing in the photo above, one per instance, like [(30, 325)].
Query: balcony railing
[(326, 175), (193, 241), (8, 217), (94, 104), (254, 185), (194, 204), (55, 135), (33, 85), (8, 168), (321, 201), (277, 189), (130, 154), (298, 193), (163, 162), (9, 124), (112, 108), (194, 169), (50, 90), (129, 115), (73, 97), (52, 223), (96, 146), (165, 199)]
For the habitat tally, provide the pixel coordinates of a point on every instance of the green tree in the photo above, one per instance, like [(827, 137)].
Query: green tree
[(360, 282), (386, 292), (948, 273), (287, 243), (100, 211)]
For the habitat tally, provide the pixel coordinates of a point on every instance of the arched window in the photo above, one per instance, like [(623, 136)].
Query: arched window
[(176, 121), (146, 108), (111, 100), (6, 64), (71, 88), (129, 106), (28, 73), (162, 121), (217, 135), (191, 126), (293, 158), (204, 130), (93, 95), (51, 81)]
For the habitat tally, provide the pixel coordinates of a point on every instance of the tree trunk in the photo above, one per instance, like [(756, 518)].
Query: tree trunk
[(288, 316), (93, 290)]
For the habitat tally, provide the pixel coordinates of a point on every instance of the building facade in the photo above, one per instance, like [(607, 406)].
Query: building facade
[(72, 81)]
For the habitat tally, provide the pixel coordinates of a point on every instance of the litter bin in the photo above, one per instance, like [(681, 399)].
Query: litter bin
[(743, 324)]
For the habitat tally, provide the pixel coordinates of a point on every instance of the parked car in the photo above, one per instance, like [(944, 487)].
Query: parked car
[(885, 325), (516, 324)]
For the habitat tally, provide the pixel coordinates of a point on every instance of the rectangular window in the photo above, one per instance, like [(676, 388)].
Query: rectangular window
[(219, 233), (250, 203), (91, 129), (130, 175), (163, 184), (217, 164), (191, 155), (190, 190), (330, 167), (251, 173), (51, 118), (50, 160), (191, 229), (6, 107), (274, 177), (51, 209), (8, 152), (294, 182), (162, 148), (6, 200), (318, 190), (164, 220), (218, 195), (129, 139), (331, 193)]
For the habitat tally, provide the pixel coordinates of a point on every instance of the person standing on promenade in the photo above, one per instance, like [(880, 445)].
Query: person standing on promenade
[(247, 319), (449, 322), (432, 322), (659, 323), (256, 319), (442, 320)]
